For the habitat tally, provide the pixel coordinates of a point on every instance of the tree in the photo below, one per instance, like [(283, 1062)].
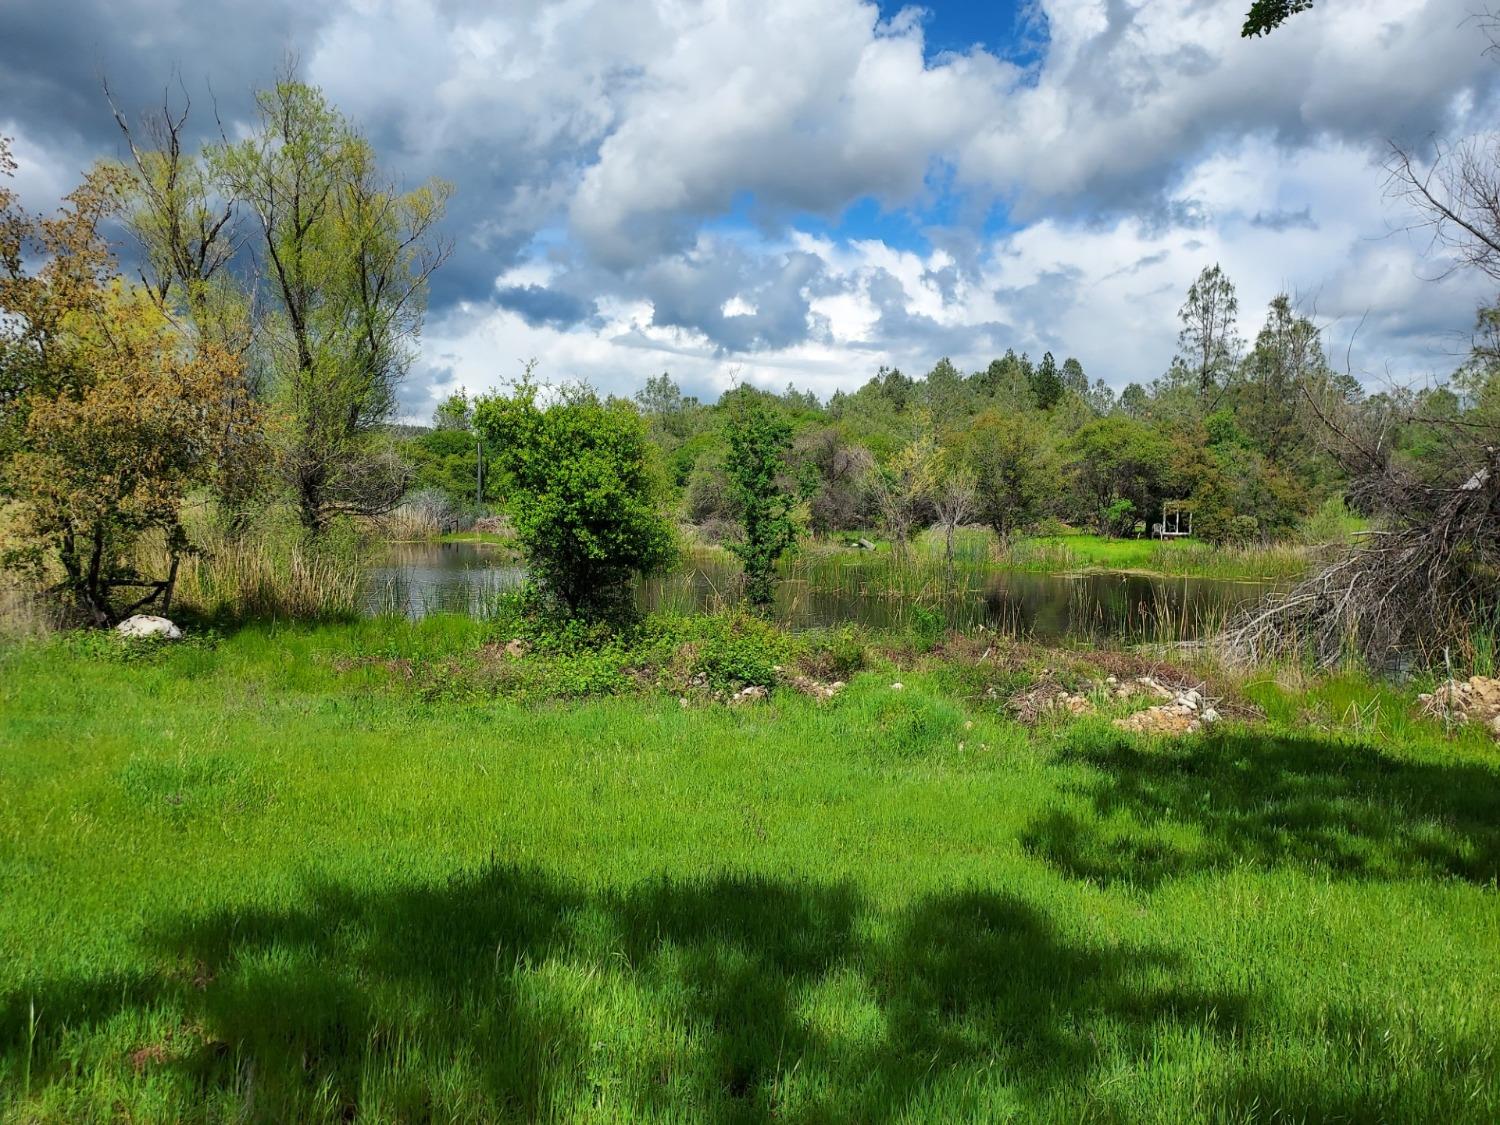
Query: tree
[(189, 236), (1006, 379), (348, 258), (111, 413), (661, 397), (1046, 384), (1265, 16), (1100, 397), (1208, 344), (1134, 400), (946, 392), (1287, 356), (582, 492), (455, 412), (1073, 378), (903, 489), (187, 229), (1014, 469), (896, 388), (1119, 465), (955, 495), (1423, 582), (841, 498), (759, 438)]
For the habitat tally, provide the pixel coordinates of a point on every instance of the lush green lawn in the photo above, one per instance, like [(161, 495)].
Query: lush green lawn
[(258, 880)]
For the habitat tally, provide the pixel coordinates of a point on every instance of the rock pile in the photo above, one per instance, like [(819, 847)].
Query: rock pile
[(1475, 700), (1184, 714), (817, 689), (146, 625), (1049, 700)]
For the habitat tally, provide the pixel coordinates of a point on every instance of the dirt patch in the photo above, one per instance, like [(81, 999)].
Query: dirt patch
[(144, 1057)]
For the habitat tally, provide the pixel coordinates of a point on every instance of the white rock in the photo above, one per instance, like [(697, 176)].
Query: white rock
[(146, 625), (897, 686), (1209, 715)]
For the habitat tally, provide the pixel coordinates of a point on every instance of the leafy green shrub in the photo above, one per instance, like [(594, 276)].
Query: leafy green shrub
[(737, 650), (926, 627), (834, 655), (110, 647), (583, 492), (762, 488)]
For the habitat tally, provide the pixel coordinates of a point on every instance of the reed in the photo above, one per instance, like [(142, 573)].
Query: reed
[(272, 570)]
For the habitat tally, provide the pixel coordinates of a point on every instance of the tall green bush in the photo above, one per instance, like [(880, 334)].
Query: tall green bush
[(582, 492), (764, 492)]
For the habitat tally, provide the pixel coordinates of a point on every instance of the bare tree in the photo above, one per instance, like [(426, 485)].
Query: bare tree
[(1455, 198), (955, 499), (903, 490), (1422, 583)]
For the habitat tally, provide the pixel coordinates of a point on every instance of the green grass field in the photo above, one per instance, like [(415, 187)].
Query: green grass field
[(266, 879)]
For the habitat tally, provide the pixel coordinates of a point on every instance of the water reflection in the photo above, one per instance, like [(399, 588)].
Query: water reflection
[(415, 579)]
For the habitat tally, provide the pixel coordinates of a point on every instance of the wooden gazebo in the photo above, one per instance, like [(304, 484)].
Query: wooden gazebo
[(1171, 526)]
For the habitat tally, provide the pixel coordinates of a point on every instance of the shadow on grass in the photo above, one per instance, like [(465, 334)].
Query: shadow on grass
[(510, 994), (1207, 803)]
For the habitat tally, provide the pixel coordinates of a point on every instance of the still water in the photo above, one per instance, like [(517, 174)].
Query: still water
[(415, 579)]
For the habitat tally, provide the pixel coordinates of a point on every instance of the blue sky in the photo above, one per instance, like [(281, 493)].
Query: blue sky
[(803, 190)]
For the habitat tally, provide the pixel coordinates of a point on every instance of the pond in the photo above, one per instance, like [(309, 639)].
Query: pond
[(415, 579)]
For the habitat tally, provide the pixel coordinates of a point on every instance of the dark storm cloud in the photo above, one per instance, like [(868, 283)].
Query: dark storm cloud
[(54, 58), (539, 305), (692, 292), (1123, 110)]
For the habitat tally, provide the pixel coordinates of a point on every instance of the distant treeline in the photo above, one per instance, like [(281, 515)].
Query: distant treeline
[(1234, 433)]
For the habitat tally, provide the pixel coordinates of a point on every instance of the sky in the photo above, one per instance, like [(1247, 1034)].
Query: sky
[(800, 191)]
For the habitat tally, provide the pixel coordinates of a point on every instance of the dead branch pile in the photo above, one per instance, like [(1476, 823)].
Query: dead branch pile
[(1416, 589)]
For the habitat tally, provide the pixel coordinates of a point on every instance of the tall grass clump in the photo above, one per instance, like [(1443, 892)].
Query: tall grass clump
[(1331, 524), (25, 612), (271, 569), (423, 515), (1205, 560)]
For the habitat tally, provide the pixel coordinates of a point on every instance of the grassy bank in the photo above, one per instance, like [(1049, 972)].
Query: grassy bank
[(1177, 558), (284, 876), (975, 550)]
